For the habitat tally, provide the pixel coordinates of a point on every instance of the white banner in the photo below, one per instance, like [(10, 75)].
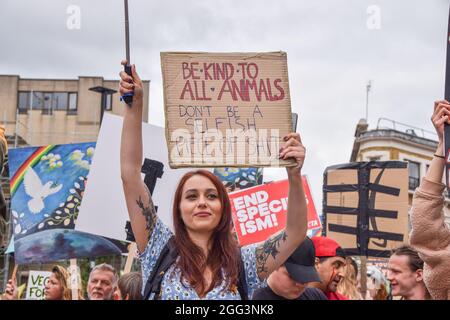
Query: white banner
[(36, 285)]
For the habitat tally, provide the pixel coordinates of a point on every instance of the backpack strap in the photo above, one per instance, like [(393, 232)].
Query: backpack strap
[(167, 257), (242, 281)]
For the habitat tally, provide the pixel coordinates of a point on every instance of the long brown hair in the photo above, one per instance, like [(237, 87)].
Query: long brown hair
[(224, 250), (62, 276), (348, 284)]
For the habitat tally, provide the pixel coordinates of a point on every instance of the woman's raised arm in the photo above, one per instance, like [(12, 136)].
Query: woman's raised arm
[(139, 201), (273, 252)]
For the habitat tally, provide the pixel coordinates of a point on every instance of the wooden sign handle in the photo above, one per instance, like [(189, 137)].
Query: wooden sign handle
[(13, 279), (14, 273), (74, 283), (131, 255), (363, 277)]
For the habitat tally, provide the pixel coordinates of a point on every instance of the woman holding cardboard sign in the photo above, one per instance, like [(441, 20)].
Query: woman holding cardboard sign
[(201, 259)]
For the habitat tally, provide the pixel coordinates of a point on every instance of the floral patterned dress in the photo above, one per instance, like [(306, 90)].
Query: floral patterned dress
[(174, 287)]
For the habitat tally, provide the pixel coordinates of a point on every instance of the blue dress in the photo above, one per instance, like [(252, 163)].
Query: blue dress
[(174, 287)]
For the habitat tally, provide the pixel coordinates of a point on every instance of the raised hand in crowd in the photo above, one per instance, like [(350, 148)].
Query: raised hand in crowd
[(11, 292), (430, 235)]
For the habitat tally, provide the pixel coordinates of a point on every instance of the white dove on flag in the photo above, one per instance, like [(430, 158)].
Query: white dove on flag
[(37, 191)]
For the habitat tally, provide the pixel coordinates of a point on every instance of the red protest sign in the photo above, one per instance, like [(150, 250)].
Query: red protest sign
[(260, 211)]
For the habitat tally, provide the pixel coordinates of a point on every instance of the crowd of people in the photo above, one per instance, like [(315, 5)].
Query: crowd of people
[(201, 259), (317, 270), (103, 284)]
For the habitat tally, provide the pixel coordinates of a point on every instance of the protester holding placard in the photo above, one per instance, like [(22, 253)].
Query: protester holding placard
[(429, 235), (11, 291), (207, 259)]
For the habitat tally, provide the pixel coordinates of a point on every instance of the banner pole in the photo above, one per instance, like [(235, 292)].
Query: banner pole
[(131, 255), (14, 273), (447, 97), (128, 97), (363, 277), (74, 279)]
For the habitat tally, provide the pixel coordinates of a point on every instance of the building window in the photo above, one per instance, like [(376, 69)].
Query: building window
[(72, 103), (108, 102), (60, 101), (414, 174), (24, 101), (47, 98), (375, 158), (37, 100), (47, 101)]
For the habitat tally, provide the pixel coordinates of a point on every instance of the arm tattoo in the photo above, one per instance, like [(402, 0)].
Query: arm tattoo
[(148, 212), (268, 248)]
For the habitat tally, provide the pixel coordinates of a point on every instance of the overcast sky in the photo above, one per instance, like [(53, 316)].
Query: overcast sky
[(334, 47)]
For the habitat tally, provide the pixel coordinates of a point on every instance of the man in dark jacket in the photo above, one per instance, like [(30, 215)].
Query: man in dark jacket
[(289, 282)]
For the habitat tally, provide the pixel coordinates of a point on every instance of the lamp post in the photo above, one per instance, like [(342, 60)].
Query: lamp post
[(104, 91)]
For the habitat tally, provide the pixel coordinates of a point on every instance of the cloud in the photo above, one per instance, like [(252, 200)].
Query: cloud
[(77, 158)]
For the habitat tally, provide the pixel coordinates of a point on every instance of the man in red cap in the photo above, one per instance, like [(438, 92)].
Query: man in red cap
[(330, 263)]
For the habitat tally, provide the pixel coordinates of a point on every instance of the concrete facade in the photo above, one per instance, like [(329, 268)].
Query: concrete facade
[(39, 127)]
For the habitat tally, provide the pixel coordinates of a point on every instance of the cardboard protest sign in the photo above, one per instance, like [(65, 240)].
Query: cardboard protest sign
[(260, 211), (47, 186), (366, 206), (226, 109), (103, 211), (36, 284)]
